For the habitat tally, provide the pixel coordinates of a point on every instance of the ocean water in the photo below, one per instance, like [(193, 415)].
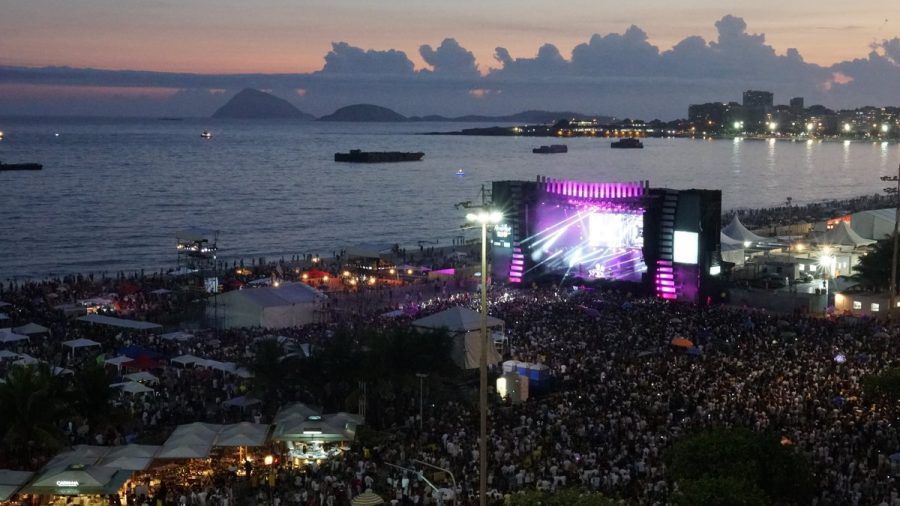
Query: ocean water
[(114, 191)]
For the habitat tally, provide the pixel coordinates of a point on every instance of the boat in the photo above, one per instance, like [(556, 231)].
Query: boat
[(551, 149), (460, 173), (20, 166), (627, 143), (206, 134), (357, 156)]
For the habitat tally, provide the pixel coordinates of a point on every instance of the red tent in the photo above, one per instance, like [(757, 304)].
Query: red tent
[(142, 363), (316, 274)]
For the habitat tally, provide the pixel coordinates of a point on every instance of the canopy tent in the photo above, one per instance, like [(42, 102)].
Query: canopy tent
[(737, 231), (5, 354), (287, 305), (31, 329), (84, 455), (225, 367), (11, 481), (464, 326), (117, 361), (118, 322), (133, 387), (842, 235), (11, 337), (78, 480), (135, 351), (4, 304), (732, 250), (184, 451), (185, 360), (191, 441), (130, 457), (26, 359), (177, 336), (142, 377), (243, 434), (80, 343), (296, 411)]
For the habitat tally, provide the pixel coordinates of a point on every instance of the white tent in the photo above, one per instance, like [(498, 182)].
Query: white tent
[(191, 441), (31, 329), (118, 361), (11, 337), (243, 434), (78, 480), (288, 305), (119, 322), (11, 482), (26, 359), (185, 360), (842, 235), (5, 354), (80, 343), (732, 250), (464, 325), (81, 455), (133, 387), (131, 457), (142, 377), (241, 402), (875, 223), (737, 231), (184, 451)]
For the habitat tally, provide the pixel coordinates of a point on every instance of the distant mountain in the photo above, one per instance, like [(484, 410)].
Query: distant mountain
[(522, 117), (255, 104), (364, 112)]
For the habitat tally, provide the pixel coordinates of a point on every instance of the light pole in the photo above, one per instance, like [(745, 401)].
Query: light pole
[(895, 191), (485, 217), (421, 377), (452, 478)]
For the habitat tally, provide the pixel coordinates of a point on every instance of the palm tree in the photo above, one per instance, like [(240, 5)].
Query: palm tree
[(92, 394), (33, 404)]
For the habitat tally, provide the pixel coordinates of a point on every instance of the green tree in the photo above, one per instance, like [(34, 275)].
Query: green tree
[(91, 393), (564, 497), (760, 460), (33, 404), (884, 386), (874, 269)]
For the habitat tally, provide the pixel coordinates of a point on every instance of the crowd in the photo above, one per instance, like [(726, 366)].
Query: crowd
[(816, 211), (617, 398)]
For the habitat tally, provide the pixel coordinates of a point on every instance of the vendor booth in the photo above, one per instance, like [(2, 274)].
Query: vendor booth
[(464, 326), (311, 436)]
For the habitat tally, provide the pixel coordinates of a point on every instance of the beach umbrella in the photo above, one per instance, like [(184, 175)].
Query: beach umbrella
[(680, 342), (367, 498)]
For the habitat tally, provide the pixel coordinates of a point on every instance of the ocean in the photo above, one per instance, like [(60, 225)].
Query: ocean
[(113, 192)]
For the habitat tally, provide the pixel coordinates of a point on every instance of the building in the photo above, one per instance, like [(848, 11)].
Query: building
[(755, 98), (862, 303), (797, 105)]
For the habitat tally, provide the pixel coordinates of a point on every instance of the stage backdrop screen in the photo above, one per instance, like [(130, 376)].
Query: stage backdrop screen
[(588, 242)]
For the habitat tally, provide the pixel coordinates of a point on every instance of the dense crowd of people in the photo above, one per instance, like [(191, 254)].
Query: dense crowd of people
[(618, 395), (813, 212)]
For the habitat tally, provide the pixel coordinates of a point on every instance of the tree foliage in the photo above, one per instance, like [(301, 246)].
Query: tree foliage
[(884, 386), (726, 457), (874, 269), (33, 403), (720, 491)]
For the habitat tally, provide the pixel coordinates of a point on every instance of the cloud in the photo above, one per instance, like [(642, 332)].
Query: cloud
[(620, 74), (449, 59), (344, 59)]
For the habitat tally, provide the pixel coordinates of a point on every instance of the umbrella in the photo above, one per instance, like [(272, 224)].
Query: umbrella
[(680, 342), (367, 498)]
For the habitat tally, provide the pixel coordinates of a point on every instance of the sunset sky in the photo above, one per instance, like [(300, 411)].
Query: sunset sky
[(649, 58), (229, 36)]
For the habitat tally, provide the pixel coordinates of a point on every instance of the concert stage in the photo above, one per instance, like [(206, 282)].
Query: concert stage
[(666, 240)]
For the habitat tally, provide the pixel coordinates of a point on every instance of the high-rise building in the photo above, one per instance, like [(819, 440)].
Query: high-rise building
[(755, 98), (797, 105)]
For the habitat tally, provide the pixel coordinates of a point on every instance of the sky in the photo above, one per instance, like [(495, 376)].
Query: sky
[(291, 45)]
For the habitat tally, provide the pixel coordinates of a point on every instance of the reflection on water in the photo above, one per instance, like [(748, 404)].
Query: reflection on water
[(113, 192)]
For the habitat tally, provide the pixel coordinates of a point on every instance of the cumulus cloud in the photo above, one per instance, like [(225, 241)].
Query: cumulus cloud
[(344, 59), (449, 59), (621, 74)]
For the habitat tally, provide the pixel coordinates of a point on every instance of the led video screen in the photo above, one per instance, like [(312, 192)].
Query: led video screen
[(589, 242)]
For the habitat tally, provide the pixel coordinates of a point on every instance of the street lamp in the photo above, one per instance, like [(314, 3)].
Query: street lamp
[(890, 190), (485, 217)]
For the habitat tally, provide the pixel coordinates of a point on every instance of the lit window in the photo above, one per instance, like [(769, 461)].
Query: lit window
[(875, 307), (898, 303), (802, 267), (857, 304)]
